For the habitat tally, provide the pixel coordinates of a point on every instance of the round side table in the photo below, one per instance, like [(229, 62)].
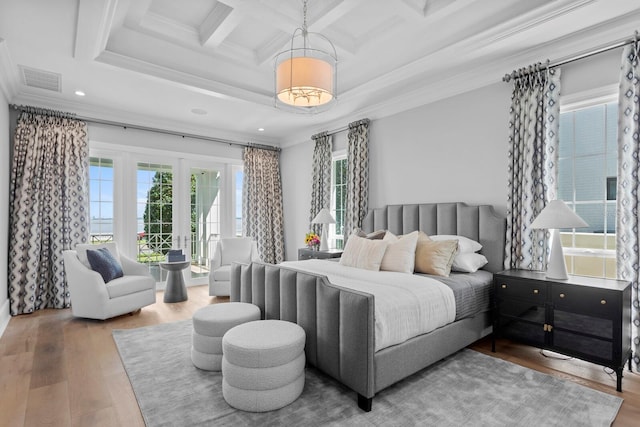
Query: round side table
[(176, 290)]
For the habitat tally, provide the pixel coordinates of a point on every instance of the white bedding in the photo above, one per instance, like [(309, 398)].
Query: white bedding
[(406, 305)]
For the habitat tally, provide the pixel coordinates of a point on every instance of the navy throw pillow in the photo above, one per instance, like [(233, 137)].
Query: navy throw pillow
[(102, 261)]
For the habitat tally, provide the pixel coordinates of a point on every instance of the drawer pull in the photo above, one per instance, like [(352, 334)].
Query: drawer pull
[(603, 302), (535, 291), (504, 286), (561, 295)]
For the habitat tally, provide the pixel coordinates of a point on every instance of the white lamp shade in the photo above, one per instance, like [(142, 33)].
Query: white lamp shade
[(554, 216), (323, 217), (304, 81), (558, 215)]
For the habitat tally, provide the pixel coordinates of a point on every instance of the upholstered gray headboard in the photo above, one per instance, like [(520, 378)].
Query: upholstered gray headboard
[(481, 223)]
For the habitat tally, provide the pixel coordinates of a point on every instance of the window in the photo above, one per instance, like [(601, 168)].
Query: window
[(100, 200), (338, 199), (587, 170)]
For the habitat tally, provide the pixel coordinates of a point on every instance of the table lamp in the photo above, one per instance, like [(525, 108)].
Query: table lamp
[(324, 218), (554, 216)]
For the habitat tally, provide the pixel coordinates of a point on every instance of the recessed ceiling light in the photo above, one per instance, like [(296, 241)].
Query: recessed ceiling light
[(199, 111), (260, 129), (79, 93)]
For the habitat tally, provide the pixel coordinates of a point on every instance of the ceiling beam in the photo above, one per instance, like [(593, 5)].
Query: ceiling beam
[(334, 14), (93, 26)]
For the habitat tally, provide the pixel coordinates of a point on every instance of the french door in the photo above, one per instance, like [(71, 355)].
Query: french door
[(162, 203)]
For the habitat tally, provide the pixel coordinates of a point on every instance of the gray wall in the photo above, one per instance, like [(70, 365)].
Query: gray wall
[(4, 210), (451, 150)]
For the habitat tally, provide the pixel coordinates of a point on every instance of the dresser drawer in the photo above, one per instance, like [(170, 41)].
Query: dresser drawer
[(304, 255), (522, 289), (590, 301)]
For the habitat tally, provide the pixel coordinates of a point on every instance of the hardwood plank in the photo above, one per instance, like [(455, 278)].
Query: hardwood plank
[(15, 375), (48, 406), (88, 393), (20, 336), (124, 400), (101, 418), (48, 361)]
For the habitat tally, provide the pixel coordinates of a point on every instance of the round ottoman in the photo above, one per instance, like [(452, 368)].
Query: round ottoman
[(210, 324), (263, 365)]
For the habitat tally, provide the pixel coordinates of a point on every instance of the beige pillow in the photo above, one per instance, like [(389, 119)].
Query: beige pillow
[(363, 253), (401, 252), (435, 257)]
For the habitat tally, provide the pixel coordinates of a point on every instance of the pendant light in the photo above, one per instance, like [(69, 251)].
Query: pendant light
[(306, 74)]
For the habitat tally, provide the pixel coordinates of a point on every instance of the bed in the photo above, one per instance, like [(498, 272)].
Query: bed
[(340, 322)]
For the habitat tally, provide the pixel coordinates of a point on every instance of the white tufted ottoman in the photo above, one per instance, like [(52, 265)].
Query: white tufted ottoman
[(263, 365), (209, 325)]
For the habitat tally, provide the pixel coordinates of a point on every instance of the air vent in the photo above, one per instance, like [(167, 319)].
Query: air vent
[(41, 79)]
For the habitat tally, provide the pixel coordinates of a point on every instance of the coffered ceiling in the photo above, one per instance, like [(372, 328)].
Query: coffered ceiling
[(206, 66)]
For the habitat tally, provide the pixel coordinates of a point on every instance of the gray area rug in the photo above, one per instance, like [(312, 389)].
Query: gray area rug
[(468, 388)]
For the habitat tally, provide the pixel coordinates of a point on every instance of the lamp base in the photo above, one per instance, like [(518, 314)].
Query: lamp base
[(324, 245), (556, 269)]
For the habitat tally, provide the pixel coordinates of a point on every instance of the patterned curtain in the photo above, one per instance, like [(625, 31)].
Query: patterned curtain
[(357, 176), (533, 156), (262, 211), (627, 226), (321, 180), (48, 208)]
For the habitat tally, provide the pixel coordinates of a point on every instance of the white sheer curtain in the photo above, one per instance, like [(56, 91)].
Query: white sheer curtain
[(533, 154), (628, 204), (48, 207)]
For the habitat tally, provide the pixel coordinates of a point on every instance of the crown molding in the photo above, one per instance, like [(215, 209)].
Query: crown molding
[(90, 111)]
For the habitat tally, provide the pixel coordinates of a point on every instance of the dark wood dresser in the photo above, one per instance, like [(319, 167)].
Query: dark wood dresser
[(584, 317)]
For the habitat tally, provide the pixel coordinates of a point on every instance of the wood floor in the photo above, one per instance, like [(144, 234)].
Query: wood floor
[(56, 370)]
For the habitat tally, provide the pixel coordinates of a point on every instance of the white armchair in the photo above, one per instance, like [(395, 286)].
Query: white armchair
[(240, 249), (92, 298)]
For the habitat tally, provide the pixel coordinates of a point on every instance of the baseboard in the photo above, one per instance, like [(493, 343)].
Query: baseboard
[(4, 316)]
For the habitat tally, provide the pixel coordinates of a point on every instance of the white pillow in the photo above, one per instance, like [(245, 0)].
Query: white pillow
[(464, 243), (468, 262), (363, 253), (400, 255)]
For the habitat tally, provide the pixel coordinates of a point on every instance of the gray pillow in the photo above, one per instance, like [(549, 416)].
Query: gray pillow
[(102, 261)]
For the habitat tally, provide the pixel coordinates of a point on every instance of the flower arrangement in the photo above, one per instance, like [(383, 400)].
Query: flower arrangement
[(312, 240)]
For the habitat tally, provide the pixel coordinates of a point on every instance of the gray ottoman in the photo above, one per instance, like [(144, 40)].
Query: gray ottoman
[(210, 324), (263, 365)]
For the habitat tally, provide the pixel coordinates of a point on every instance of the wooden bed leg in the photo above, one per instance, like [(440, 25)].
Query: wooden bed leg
[(364, 403)]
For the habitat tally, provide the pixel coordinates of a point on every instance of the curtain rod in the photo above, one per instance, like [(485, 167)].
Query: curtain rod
[(44, 111), (557, 63), (340, 129), (330, 132)]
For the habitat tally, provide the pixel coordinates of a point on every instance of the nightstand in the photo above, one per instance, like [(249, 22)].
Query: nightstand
[(306, 253), (584, 317)]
